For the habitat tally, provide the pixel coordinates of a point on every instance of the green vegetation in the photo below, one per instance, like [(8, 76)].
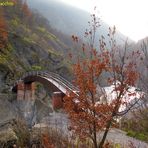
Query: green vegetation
[(51, 36), (15, 22), (137, 126), (36, 68), (41, 29), (46, 33), (29, 40), (138, 135), (32, 44)]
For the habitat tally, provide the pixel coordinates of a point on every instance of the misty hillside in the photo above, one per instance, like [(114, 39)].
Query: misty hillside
[(31, 45), (70, 20), (82, 106)]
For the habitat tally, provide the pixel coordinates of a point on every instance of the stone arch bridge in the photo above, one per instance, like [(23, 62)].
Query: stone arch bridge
[(25, 86)]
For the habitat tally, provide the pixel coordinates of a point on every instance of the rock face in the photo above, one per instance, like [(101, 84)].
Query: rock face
[(7, 135), (27, 110), (43, 108), (32, 111), (7, 109), (32, 45)]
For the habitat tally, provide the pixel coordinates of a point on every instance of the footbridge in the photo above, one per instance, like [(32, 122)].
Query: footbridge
[(25, 86)]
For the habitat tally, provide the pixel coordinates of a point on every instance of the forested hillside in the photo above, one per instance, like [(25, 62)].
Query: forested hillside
[(28, 43)]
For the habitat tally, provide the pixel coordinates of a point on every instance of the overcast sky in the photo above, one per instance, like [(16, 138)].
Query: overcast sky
[(129, 16)]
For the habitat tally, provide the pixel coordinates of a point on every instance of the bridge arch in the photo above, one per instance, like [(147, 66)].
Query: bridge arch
[(25, 87), (48, 79)]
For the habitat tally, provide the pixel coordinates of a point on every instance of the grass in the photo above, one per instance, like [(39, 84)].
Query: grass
[(29, 40), (51, 36), (138, 135), (36, 68), (41, 29)]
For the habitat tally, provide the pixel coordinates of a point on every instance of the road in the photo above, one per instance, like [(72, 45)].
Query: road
[(117, 136)]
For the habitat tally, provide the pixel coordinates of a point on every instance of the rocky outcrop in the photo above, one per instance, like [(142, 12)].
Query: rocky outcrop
[(7, 109)]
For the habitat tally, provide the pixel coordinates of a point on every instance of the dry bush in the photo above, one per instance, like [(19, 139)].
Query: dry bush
[(22, 132)]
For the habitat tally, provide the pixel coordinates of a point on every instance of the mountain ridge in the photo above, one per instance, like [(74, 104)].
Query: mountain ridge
[(70, 20)]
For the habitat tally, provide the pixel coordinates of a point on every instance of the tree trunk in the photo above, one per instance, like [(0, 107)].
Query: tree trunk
[(109, 122), (105, 134), (95, 136), (95, 143)]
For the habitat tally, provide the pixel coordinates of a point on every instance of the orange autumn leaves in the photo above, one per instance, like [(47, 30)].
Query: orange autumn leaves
[(89, 111), (26, 9), (86, 114)]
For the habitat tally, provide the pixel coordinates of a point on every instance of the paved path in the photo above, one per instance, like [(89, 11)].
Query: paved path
[(118, 136), (60, 121)]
